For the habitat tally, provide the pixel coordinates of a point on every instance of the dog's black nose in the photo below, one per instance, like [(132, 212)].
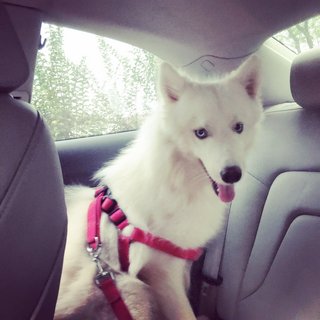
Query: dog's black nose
[(231, 174)]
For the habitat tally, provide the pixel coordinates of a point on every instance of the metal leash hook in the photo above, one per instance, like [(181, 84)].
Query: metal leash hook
[(103, 273), (97, 261)]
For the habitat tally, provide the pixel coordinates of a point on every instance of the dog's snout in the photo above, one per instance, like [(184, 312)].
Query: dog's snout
[(231, 174)]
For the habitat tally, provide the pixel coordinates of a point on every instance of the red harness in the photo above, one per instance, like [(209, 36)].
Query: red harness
[(104, 202)]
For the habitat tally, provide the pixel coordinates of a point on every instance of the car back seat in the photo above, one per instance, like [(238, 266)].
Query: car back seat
[(271, 260)]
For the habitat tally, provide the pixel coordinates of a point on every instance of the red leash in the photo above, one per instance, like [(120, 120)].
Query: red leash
[(105, 278)]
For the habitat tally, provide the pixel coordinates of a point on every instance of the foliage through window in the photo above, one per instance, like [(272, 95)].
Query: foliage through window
[(87, 85), (301, 37)]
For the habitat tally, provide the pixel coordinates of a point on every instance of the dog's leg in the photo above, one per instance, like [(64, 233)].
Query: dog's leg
[(170, 291), (172, 299)]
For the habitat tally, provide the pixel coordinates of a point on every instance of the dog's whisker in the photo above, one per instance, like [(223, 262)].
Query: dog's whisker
[(199, 178)]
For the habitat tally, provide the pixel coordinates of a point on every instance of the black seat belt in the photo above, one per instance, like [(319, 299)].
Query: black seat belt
[(211, 277)]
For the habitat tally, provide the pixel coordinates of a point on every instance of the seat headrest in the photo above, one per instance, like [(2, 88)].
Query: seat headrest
[(14, 69), (305, 79)]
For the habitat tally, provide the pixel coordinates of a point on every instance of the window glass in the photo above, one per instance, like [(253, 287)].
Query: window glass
[(301, 37), (88, 85)]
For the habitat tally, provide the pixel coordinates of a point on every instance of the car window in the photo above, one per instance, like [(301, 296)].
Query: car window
[(88, 85), (301, 37)]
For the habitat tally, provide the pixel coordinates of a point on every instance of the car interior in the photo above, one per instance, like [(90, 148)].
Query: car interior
[(268, 263)]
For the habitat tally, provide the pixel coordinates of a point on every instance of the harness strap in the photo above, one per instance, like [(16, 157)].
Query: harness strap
[(118, 218), (123, 250), (104, 202), (105, 280), (93, 223), (164, 245)]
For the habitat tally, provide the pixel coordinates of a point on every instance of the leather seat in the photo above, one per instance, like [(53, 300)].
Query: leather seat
[(32, 208), (271, 259)]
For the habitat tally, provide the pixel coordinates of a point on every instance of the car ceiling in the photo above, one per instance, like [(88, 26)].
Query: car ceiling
[(217, 28)]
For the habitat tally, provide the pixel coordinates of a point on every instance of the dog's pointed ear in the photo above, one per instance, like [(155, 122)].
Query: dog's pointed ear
[(249, 75), (171, 83)]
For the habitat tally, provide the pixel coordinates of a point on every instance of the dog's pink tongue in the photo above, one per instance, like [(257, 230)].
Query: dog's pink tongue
[(226, 192)]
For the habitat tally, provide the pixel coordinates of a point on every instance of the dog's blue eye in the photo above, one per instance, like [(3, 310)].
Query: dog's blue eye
[(238, 127), (201, 133)]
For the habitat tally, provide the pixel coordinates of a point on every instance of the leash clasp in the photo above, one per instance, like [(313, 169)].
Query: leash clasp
[(103, 273), (102, 276)]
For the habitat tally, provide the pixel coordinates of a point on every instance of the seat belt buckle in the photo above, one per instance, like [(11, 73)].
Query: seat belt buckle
[(213, 281)]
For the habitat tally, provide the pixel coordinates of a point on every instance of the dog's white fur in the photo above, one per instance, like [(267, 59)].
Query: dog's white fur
[(160, 184)]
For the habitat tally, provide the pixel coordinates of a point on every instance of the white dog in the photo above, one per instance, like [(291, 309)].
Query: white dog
[(173, 182)]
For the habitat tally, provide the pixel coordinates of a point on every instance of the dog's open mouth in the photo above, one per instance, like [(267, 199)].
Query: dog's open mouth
[(225, 192)]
